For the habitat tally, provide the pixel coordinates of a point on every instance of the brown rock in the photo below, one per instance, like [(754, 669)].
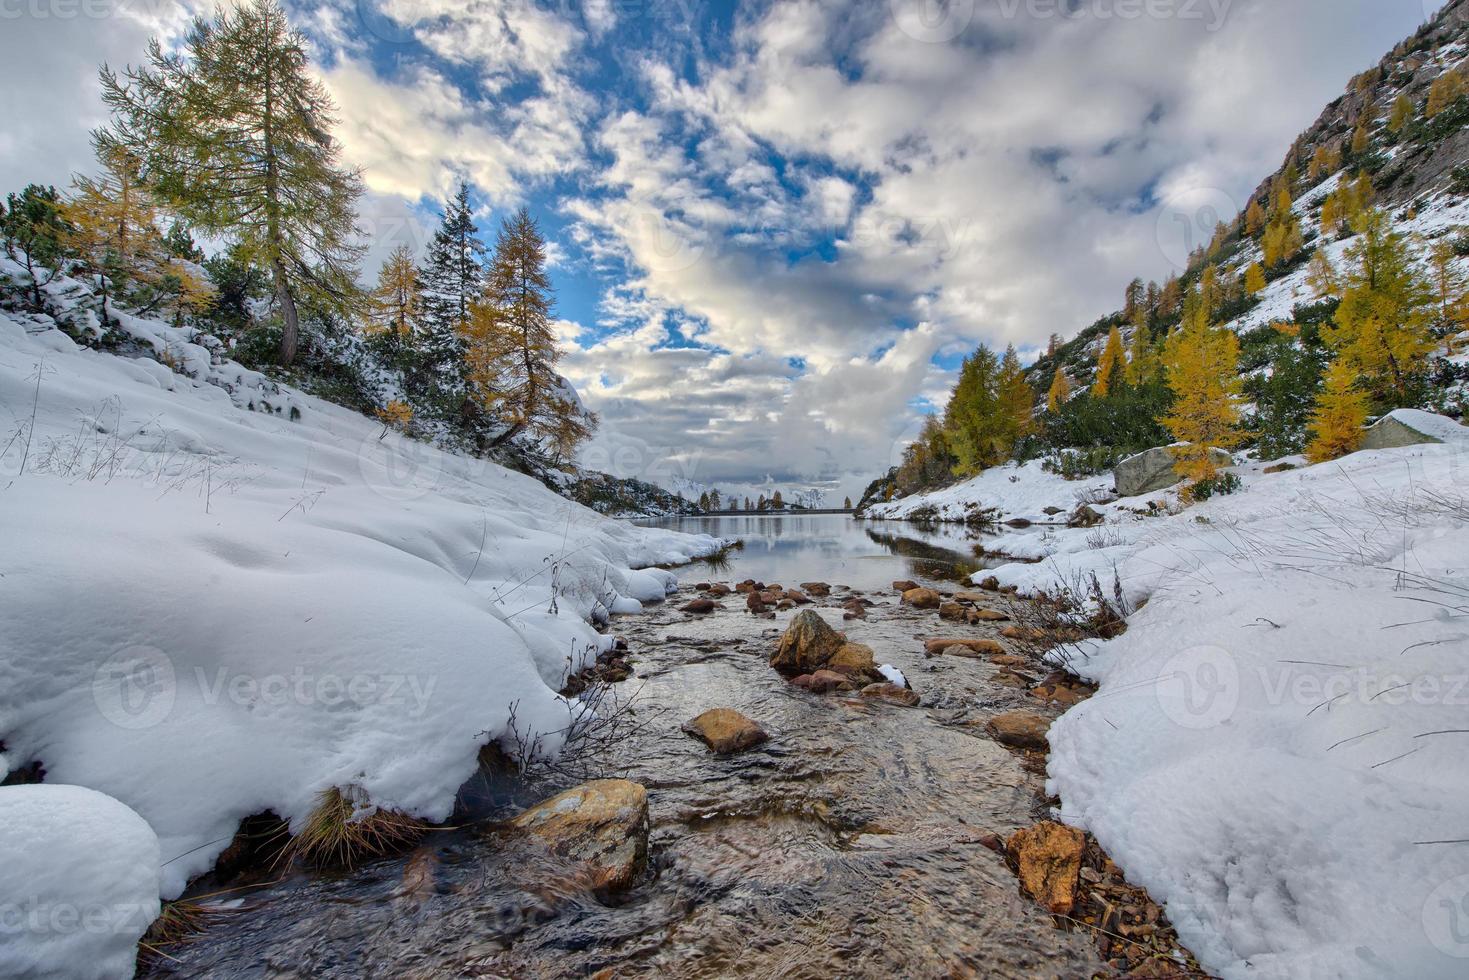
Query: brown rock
[(922, 598), (990, 584), (1085, 516), (746, 586), (701, 605), (725, 731), (1278, 468), (1006, 660), (1048, 861), (892, 694), (1020, 729), (974, 647), (818, 589), (807, 644), (904, 586), (754, 603), (719, 590), (603, 824), (853, 659), (990, 616), (954, 611), (826, 681), (785, 604), (797, 597)]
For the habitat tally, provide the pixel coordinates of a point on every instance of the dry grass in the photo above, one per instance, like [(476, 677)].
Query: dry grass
[(344, 830)]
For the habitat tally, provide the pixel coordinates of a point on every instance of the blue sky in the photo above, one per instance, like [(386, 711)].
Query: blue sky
[(778, 227)]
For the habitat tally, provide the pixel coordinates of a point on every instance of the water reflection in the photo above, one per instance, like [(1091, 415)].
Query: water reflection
[(835, 548)]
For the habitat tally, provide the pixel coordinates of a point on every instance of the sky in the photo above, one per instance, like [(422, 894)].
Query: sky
[(776, 229)]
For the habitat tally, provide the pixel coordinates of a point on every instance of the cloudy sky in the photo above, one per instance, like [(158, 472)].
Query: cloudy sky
[(778, 227)]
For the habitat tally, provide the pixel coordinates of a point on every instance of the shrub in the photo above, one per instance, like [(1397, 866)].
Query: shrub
[(1223, 485)]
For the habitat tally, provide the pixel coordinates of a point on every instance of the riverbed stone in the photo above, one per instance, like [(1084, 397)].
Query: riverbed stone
[(892, 694), (825, 681), (972, 647), (1047, 859), (603, 824), (904, 585), (701, 606), (1020, 729), (797, 597), (922, 598), (854, 659), (953, 611), (818, 590), (807, 644), (725, 731)]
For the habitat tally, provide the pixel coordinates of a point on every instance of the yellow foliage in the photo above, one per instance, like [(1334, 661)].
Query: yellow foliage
[(1341, 409), (1254, 278), (1322, 276), (1254, 219), (1060, 391), (1111, 366), (1203, 371), (1444, 91), (395, 415), (1402, 114)]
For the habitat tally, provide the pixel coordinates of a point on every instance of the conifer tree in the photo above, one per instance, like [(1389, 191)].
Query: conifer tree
[(1060, 392), (1381, 329), (113, 228), (1361, 140), (1332, 214), (451, 282), (511, 350), (1451, 302), (34, 232), (1402, 114), (1341, 410), (182, 291), (973, 424), (1202, 359), (235, 135), (1286, 394), (397, 303), (1254, 278), (1143, 363), (1017, 401), (1254, 219), (1111, 366), (1444, 91), (1322, 276)]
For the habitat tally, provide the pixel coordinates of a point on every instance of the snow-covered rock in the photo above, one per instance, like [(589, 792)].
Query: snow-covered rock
[(78, 883), (220, 595)]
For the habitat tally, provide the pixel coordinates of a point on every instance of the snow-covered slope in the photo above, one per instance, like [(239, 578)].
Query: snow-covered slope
[(1277, 748), (220, 596), (1015, 491)]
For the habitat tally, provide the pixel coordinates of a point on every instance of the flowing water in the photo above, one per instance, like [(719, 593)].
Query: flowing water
[(850, 844)]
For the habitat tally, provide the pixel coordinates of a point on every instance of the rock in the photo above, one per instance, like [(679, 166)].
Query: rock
[(1278, 468), (754, 603), (1028, 633), (807, 644), (702, 587), (748, 585), (785, 604), (797, 597), (770, 596), (725, 730), (1018, 522), (720, 590), (603, 824), (1395, 430), (971, 598), (990, 584), (1048, 861), (826, 681), (1053, 511), (1151, 471), (892, 694), (988, 616), (701, 605), (904, 586), (1084, 516), (921, 598), (818, 589), (971, 647), (853, 659), (954, 611), (1020, 729)]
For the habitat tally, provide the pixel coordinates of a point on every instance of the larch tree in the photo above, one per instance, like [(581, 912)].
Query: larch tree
[(1445, 90), (1143, 363), (1451, 302), (397, 303), (1060, 392), (1202, 359), (511, 349), (1361, 139), (1111, 366), (846, 503), (1381, 330), (1403, 112), (1017, 401), (1322, 276), (1254, 219), (973, 423), (1341, 409), (235, 135), (1254, 278)]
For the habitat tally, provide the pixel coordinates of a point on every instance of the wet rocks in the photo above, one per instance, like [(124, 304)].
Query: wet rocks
[(990, 584), (854, 660), (1020, 729), (725, 731), (817, 590), (904, 585), (1084, 516), (921, 598), (807, 645), (701, 606), (972, 648), (796, 597), (892, 694), (824, 682), (1047, 859), (855, 608), (603, 824)]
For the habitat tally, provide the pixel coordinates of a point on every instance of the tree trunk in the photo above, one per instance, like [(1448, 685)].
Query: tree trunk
[(290, 327)]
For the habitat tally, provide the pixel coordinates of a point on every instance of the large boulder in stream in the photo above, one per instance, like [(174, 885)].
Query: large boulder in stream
[(725, 731), (603, 824), (807, 645)]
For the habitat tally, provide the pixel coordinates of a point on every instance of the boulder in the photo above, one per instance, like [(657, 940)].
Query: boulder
[(603, 824), (719, 590), (1084, 516), (1151, 471), (1278, 468), (988, 616), (818, 589), (1047, 860), (1020, 729), (990, 584), (904, 586), (954, 611), (754, 603), (807, 644), (921, 598), (970, 647), (725, 731), (826, 681), (1408, 427), (892, 694), (701, 605), (853, 659), (797, 597)]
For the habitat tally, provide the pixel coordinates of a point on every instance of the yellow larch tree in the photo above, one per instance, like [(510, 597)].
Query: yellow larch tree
[(1254, 278), (1444, 91), (1017, 401), (1202, 359), (397, 302), (1254, 219), (1450, 299), (1403, 111), (1060, 391), (113, 228), (1111, 366), (1322, 276), (1341, 409)]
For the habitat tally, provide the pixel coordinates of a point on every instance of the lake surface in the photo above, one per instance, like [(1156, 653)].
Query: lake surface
[(835, 548)]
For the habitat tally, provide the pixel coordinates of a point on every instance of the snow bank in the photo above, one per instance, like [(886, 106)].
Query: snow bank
[(1013, 491), (1276, 749), (78, 883), (221, 596)]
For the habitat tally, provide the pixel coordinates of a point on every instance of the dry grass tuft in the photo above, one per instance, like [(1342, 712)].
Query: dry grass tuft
[(344, 829)]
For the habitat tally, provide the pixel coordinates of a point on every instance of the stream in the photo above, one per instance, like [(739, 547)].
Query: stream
[(852, 843)]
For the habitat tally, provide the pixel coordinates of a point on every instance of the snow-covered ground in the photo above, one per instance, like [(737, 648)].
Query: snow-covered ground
[(78, 883), (220, 596), (1277, 749), (1009, 492)]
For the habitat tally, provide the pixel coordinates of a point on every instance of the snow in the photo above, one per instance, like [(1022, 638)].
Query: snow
[(892, 675), (1015, 491), (78, 883), (1435, 426), (1260, 754), (221, 595)]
